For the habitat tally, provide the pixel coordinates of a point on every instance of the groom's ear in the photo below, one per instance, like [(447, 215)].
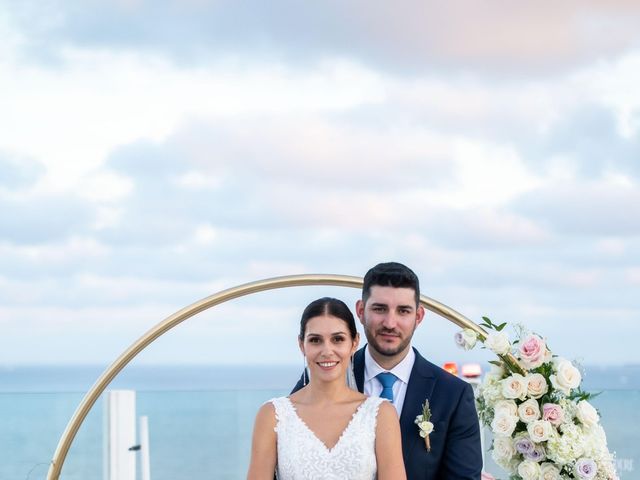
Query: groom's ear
[(360, 310), (420, 311)]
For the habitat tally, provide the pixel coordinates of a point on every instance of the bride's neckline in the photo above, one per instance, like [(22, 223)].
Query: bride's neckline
[(342, 434)]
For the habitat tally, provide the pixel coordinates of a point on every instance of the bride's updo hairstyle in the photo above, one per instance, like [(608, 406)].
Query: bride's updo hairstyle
[(328, 306)]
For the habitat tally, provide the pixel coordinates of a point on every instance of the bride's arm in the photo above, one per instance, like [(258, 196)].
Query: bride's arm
[(263, 447), (389, 444)]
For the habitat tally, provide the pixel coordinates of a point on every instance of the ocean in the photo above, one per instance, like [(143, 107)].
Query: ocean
[(201, 417)]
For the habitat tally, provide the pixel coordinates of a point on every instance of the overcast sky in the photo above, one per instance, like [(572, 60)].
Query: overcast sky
[(155, 152)]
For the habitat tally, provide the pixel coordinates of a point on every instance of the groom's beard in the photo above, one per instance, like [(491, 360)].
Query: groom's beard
[(388, 350)]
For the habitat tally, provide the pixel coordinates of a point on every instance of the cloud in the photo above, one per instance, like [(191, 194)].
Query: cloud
[(603, 208), (42, 219), (154, 154), (588, 140), (415, 36), (612, 84), (17, 172), (100, 101), (55, 258)]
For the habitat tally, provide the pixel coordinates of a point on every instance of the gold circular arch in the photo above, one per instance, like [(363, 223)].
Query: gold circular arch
[(217, 298)]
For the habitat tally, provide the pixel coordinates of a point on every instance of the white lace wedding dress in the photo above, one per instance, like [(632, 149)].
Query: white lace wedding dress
[(303, 456)]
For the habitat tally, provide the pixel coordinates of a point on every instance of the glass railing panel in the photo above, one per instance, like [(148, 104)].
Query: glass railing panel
[(206, 434), (30, 426)]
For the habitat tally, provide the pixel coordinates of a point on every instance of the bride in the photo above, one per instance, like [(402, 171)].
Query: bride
[(327, 430)]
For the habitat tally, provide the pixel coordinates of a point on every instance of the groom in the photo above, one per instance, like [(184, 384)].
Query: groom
[(390, 312)]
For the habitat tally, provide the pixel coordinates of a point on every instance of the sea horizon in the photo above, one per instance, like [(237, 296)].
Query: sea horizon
[(58, 378)]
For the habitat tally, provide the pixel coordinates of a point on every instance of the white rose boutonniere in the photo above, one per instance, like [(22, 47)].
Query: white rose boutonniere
[(425, 426)]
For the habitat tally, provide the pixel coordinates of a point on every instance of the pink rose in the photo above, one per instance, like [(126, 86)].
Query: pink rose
[(553, 413), (533, 351)]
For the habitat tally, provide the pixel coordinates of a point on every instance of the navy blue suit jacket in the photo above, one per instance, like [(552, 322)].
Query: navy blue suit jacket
[(455, 442)]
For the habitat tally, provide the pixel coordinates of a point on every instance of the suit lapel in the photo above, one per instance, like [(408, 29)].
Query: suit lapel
[(358, 368), (420, 387)]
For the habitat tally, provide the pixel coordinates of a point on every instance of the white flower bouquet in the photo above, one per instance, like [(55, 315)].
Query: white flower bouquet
[(543, 424)]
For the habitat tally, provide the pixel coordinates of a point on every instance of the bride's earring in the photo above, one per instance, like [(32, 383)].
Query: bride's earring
[(351, 376), (304, 371)]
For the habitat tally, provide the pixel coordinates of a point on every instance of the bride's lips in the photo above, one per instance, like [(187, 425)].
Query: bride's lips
[(327, 365)]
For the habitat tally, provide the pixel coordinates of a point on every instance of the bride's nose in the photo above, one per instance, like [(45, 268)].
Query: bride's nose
[(327, 349)]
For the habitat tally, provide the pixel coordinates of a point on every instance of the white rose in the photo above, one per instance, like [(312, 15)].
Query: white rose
[(587, 415), (503, 449), (497, 370), (425, 427), (505, 406), (540, 430), (536, 385), (566, 377), (529, 470), (585, 468), (466, 338), (529, 411), (504, 424), (514, 386), (548, 471), (498, 343)]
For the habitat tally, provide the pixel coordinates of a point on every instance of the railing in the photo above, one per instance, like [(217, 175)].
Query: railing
[(205, 434)]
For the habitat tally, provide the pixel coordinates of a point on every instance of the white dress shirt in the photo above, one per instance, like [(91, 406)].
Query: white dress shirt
[(372, 385)]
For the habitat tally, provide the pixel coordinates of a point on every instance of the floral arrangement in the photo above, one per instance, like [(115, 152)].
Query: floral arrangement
[(543, 424)]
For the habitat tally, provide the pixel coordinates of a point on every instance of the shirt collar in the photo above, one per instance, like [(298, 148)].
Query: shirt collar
[(402, 370)]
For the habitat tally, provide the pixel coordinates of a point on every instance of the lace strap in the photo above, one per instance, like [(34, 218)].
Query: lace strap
[(371, 405), (370, 410), (280, 405)]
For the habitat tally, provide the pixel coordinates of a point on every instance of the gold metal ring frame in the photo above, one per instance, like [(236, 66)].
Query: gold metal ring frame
[(217, 298)]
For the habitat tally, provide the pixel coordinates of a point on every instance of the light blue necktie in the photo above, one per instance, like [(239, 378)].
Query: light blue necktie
[(387, 380)]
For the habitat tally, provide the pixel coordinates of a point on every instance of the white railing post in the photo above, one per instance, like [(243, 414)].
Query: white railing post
[(119, 463), (145, 464)]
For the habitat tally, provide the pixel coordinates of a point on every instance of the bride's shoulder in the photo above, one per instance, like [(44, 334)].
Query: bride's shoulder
[(385, 409), (266, 417), (275, 405), (275, 400)]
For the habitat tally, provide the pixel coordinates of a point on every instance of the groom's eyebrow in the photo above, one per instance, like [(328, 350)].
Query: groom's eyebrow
[(378, 304), (385, 305)]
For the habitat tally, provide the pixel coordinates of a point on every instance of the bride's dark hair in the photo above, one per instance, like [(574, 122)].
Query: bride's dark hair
[(328, 306)]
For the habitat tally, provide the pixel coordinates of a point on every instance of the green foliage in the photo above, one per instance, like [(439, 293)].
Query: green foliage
[(578, 394), (487, 323)]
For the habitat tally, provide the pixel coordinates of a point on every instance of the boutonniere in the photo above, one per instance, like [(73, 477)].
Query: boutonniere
[(425, 426)]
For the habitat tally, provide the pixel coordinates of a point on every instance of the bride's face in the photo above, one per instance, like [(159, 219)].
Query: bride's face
[(328, 346)]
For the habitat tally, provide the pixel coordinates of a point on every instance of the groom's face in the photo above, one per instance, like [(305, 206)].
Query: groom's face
[(390, 316)]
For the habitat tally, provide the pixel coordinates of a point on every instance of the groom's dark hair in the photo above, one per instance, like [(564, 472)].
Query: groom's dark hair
[(328, 306), (390, 274)]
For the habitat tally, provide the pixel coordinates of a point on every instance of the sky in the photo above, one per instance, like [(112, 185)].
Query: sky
[(154, 153)]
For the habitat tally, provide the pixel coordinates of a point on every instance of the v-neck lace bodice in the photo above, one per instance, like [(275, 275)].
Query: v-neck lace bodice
[(303, 456)]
